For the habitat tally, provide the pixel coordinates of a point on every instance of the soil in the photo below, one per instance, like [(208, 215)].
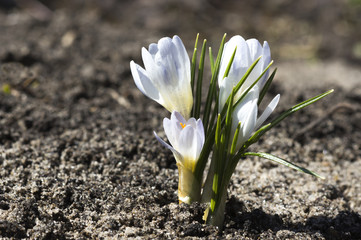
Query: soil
[(77, 152)]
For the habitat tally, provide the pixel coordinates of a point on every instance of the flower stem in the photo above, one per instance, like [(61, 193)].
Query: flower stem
[(214, 214), (189, 188)]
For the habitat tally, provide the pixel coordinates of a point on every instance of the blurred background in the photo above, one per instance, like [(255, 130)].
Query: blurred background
[(307, 30)]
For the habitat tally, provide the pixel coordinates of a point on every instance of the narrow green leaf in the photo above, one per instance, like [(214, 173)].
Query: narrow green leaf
[(283, 162), (215, 113), (254, 137), (253, 84), (228, 125), (230, 64), (235, 138), (212, 87), (203, 158), (193, 70), (245, 76), (198, 96), (286, 114), (211, 60), (215, 191), (240, 83), (266, 87), (194, 63), (218, 131)]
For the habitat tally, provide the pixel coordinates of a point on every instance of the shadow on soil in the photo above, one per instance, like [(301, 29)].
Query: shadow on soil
[(346, 225)]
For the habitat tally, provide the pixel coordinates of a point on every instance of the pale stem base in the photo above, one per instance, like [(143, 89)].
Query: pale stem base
[(189, 188)]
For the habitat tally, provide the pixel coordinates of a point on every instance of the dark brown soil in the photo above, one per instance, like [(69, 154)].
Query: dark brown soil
[(77, 153)]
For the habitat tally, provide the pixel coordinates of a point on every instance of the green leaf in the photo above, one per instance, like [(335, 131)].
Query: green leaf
[(240, 83), (250, 87), (283, 162), (215, 191), (266, 86), (230, 63), (212, 87), (198, 96), (228, 125), (218, 131), (211, 60), (193, 69), (285, 114), (194, 63), (235, 139)]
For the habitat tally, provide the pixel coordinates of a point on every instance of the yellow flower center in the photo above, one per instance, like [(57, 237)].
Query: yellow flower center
[(183, 125)]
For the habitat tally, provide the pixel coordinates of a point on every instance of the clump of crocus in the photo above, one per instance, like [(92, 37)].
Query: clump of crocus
[(227, 124)]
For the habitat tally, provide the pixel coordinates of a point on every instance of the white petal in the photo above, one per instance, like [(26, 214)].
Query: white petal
[(225, 87), (149, 63), (241, 59), (187, 144), (176, 116), (192, 122), (246, 113), (250, 121), (199, 145), (153, 49), (183, 57), (247, 116), (265, 61), (266, 54), (269, 109), (200, 130), (255, 48), (171, 132), (165, 46), (144, 83), (173, 67), (177, 155)]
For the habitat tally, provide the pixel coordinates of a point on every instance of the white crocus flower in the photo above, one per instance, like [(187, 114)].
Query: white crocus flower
[(166, 77), (186, 139), (247, 52), (246, 113)]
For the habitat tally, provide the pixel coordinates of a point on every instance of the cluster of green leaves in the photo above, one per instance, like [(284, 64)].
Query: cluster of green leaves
[(217, 125)]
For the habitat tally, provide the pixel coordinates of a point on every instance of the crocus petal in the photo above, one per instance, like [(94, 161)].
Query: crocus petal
[(200, 130), (176, 116), (266, 59), (192, 122), (171, 132), (143, 82), (149, 64), (269, 109), (225, 89), (199, 145), (153, 49), (183, 56), (240, 61), (246, 113), (248, 122), (188, 146), (255, 48), (177, 155), (255, 52), (266, 54)]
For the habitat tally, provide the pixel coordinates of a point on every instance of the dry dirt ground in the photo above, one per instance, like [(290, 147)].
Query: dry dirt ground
[(77, 154)]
